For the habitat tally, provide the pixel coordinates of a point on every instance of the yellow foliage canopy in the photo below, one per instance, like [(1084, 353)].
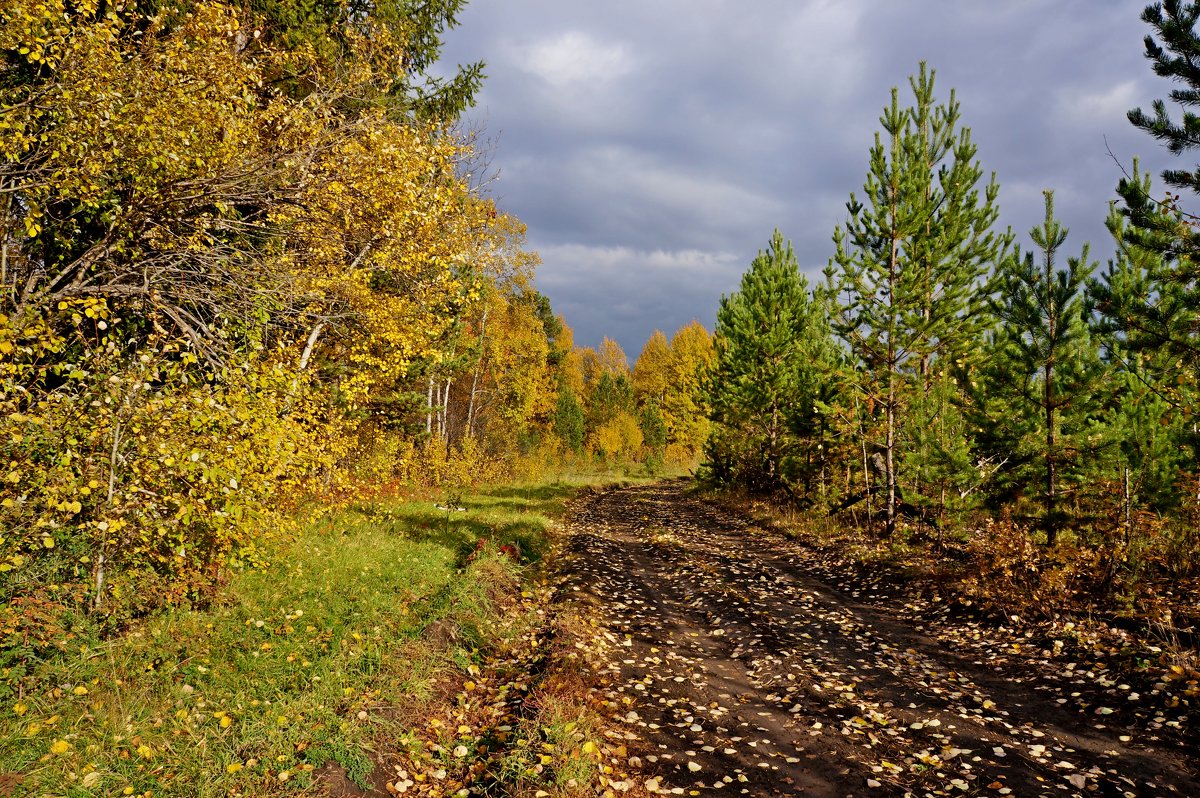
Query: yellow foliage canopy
[(206, 281), (382, 245)]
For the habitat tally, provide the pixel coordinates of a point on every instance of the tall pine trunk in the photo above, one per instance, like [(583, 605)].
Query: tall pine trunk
[(1051, 499), (890, 459), (893, 366)]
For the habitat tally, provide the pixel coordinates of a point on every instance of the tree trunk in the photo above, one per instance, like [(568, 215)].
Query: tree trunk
[(1128, 501), (101, 557), (4, 247), (309, 345), (1048, 372), (941, 520), (890, 459), (850, 489), (443, 430), (867, 478), (437, 409), (821, 458), (429, 408), (475, 377), (446, 415), (470, 431), (1051, 499), (893, 366), (773, 447)]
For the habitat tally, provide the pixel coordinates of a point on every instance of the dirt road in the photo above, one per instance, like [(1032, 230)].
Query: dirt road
[(743, 667)]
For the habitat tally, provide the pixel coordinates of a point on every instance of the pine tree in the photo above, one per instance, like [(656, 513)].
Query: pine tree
[(1046, 366), (568, 420), (771, 346), (1170, 311), (1153, 303), (611, 420), (654, 432), (910, 258), (1178, 59), (408, 35), (1153, 441), (937, 450)]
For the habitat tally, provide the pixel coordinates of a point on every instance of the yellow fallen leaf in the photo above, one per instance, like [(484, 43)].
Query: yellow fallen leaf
[(60, 747)]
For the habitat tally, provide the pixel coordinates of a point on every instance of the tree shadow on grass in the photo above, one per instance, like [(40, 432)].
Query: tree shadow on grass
[(514, 519), (547, 499), (526, 534), (455, 531)]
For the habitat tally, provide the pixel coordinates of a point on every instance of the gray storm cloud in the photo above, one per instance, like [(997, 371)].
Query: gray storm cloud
[(652, 147)]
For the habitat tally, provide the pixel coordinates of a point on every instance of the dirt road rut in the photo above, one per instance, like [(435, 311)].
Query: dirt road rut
[(740, 671)]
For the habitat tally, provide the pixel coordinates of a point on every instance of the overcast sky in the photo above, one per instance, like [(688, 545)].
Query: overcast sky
[(652, 146)]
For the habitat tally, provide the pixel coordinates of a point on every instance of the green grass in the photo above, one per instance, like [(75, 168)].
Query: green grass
[(299, 665)]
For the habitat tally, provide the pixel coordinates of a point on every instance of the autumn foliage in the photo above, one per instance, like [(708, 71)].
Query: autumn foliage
[(232, 266)]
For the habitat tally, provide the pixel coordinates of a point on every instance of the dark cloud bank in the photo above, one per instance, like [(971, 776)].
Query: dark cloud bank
[(652, 147)]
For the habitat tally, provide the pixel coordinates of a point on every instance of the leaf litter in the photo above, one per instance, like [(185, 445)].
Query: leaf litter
[(738, 661)]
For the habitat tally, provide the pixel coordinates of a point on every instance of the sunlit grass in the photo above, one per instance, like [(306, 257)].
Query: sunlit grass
[(300, 665)]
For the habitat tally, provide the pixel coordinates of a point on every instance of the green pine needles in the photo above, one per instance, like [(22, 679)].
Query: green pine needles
[(940, 376), (1044, 366), (773, 351), (907, 273)]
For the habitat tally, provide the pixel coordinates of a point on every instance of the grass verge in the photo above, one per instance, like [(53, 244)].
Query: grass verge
[(323, 673)]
